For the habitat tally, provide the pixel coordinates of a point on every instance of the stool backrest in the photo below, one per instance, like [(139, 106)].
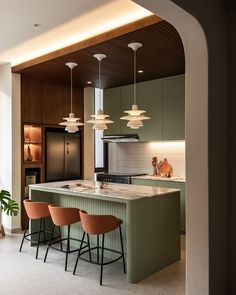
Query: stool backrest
[(64, 216), (36, 210), (98, 224)]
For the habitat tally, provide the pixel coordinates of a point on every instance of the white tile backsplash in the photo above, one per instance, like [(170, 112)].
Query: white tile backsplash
[(137, 157)]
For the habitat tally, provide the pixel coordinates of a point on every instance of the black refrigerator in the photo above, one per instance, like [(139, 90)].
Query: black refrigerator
[(62, 155)]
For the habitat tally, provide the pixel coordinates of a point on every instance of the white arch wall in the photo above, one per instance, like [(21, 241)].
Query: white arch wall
[(196, 93), (10, 138)]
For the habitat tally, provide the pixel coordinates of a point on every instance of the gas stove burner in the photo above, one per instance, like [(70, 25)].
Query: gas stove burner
[(117, 177)]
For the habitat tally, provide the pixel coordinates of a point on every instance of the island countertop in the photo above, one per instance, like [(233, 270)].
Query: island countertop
[(126, 192)]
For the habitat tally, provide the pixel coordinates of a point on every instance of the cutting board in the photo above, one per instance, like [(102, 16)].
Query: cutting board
[(165, 167)]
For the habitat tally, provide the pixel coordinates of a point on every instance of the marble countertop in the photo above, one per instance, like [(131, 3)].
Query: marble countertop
[(110, 190), (172, 178)]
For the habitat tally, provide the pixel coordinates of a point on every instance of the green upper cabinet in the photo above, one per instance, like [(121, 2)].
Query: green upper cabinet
[(126, 101), (111, 106), (173, 108), (164, 102), (149, 98)]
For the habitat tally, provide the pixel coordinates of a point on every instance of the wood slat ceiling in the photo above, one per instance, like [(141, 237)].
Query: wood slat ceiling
[(162, 55)]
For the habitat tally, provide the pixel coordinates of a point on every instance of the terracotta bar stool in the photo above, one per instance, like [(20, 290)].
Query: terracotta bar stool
[(64, 217), (100, 225), (35, 211)]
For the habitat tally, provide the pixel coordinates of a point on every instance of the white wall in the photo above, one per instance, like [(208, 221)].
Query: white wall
[(137, 157), (5, 134), (16, 146), (10, 139)]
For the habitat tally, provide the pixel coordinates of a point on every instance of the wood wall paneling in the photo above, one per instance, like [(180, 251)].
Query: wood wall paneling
[(53, 103), (78, 102), (31, 101), (47, 103)]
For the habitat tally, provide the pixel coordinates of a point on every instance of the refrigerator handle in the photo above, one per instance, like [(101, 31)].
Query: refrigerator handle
[(67, 148)]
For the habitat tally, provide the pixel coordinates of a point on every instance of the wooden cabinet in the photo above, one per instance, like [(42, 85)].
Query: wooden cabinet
[(53, 104), (78, 102), (43, 104), (173, 108), (163, 100), (31, 101), (48, 102), (168, 184)]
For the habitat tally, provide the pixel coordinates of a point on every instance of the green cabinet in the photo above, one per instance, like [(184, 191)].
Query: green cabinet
[(162, 99), (126, 101), (149, 98), (173, 108), (111, 106), (168, 184)]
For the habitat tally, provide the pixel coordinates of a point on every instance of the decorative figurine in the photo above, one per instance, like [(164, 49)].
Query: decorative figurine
[(155, 166), (29, 157)]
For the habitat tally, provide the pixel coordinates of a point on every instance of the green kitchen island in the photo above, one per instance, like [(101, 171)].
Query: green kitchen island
[(151, 219)]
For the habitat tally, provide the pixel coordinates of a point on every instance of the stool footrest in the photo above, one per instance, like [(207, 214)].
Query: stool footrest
[(98, 263), (35, 242), (65, 239)]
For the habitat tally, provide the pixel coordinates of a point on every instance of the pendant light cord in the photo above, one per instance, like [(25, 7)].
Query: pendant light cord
[(71, 93), (135, 77), (99, 83)]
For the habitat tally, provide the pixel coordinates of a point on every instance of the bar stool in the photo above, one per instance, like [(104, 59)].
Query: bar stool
[(35, 211), (100, 225), (64, 217)]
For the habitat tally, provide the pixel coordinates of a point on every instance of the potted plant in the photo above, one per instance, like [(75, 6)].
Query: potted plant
[(7, 205)]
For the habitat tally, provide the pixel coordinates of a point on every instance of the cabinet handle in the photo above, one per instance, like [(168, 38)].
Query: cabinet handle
[(67, 148)]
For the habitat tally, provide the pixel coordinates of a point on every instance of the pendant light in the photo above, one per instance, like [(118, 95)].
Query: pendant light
[(135, 116), (71, 122), (100, 120)]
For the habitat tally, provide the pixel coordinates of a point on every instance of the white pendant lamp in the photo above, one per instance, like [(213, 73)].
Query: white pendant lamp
[(100, 120), (71, 122), (135, 116)]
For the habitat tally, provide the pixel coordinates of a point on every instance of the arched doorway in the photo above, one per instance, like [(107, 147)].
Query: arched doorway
[(196, 99)]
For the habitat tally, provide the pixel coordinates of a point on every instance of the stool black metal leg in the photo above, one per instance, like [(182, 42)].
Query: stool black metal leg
[(102, 259), (122, 249), (59, 229), (23, 238), (68, 246), (44, 231), (80, 248), (90, 257), (39, 233), (49, 243), (97, 248)]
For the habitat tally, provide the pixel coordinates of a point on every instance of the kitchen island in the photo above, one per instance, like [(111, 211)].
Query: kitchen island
[(151, 219)]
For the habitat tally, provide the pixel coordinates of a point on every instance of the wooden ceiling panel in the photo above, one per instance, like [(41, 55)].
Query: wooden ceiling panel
[(161, 55)]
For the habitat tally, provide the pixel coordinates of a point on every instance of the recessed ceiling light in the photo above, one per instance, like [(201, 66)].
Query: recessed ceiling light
[(89, 82), (37, 25), (140, 71)]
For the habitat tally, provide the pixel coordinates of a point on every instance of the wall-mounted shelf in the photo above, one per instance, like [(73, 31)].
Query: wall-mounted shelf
[(32, 144)]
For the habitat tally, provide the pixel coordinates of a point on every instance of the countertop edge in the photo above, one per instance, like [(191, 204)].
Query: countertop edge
[(158, 178), (95, 193)]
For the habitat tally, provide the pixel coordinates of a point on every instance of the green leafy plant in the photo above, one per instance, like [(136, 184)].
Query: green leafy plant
[(7, 204)]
